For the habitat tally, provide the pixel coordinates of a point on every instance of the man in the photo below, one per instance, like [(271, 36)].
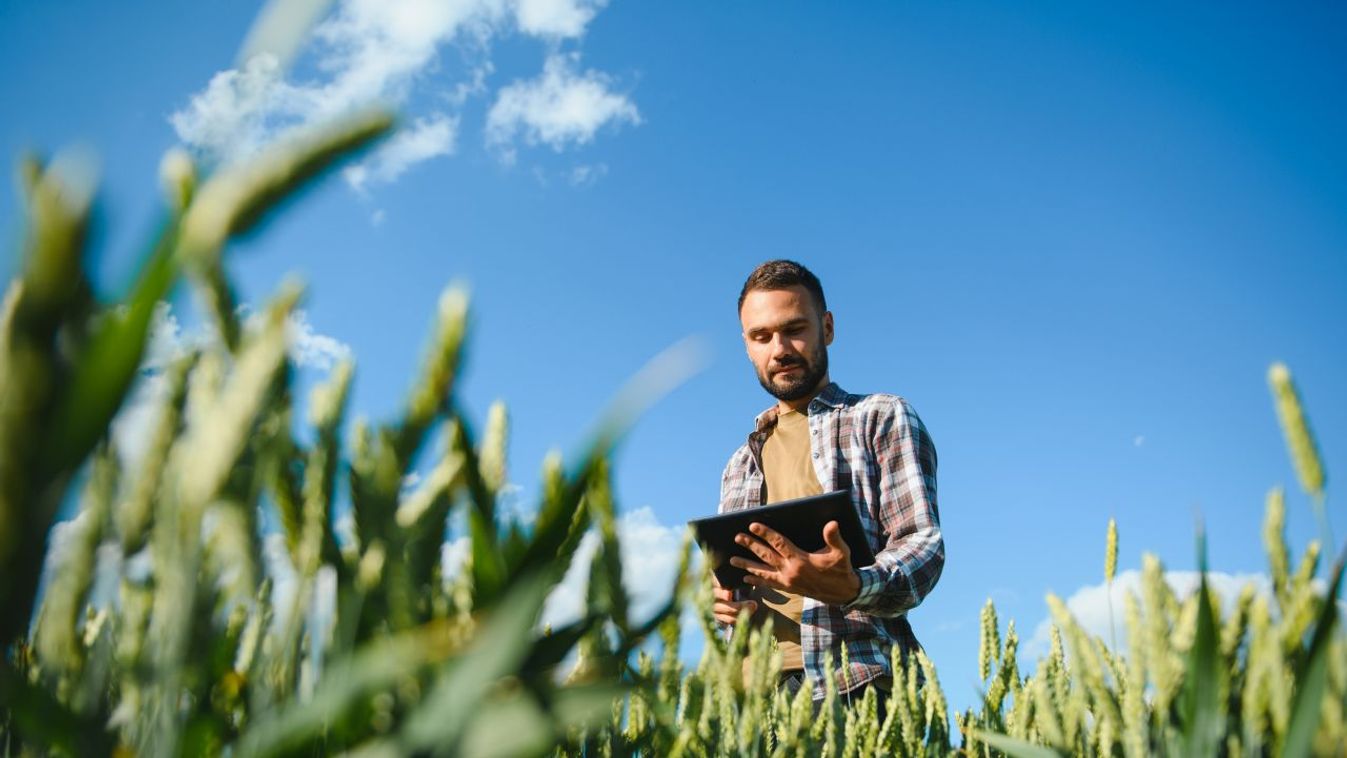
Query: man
[(819, 438)]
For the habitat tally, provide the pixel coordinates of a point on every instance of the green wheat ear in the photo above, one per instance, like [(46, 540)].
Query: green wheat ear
[(989, 650), (1304, 453), (1110, 569), (1111, 551)]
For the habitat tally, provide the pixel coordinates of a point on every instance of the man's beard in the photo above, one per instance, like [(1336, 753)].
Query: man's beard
[(815, 368)]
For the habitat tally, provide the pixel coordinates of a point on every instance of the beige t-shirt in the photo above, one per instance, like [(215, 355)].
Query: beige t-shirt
[(789, 470)]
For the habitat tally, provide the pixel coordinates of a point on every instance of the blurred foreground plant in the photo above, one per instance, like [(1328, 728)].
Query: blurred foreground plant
[(191, 656)]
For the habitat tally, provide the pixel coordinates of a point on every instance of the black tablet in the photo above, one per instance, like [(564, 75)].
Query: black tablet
[(801, 520)]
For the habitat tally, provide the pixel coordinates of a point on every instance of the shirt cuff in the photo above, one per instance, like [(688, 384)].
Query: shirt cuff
[(872, 585)]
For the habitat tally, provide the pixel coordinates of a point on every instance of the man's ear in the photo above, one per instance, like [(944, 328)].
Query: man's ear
[(827, 328)]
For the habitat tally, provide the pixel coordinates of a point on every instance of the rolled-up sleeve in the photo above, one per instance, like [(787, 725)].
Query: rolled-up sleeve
[(914, 554)]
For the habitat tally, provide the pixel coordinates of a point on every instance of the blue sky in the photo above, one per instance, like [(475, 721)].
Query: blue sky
[(1073, 237)]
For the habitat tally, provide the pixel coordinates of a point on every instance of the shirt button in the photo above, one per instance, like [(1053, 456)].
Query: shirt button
[(816, 455)]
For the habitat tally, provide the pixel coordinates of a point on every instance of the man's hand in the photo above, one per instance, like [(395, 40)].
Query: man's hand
[(725, 608), (826, 576)]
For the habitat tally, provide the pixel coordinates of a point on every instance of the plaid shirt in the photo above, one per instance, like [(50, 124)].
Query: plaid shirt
[(875, 447)]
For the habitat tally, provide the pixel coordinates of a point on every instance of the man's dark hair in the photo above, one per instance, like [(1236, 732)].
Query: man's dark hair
[(780, 275)]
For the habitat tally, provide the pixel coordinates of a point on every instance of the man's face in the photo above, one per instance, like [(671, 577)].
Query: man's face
[(787, 341)]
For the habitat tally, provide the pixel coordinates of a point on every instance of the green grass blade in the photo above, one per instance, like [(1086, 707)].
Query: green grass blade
[(583, 705), (560, 524), (498, 650), (102, 374), (504, 727), (239, 198), (378, 665), (491, 576), (1204, 715), (605, 584), (280, 30), (553, 648), (43, 317), (1013, 747)]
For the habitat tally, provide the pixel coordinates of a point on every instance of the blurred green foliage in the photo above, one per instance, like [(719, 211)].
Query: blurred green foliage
[(191, 656)]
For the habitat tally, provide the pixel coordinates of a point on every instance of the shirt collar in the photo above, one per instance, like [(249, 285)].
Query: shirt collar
[(831, 396)]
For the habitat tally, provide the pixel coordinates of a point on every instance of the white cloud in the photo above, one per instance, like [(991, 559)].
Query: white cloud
[(452, 555), (306, 347), (559, 18), (474, 85), (1090, 605), (426, 138), (560, 108), (237, 112), (386, 51), (650, 554), (310, 349), (167, 341), (585, 175)]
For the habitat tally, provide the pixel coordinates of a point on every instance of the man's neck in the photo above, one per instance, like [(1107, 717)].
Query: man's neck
[(799, 405)]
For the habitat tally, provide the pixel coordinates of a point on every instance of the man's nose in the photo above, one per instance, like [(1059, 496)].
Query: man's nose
[(781, 346)]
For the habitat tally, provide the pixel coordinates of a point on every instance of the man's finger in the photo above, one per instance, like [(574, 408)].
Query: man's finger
[(720, 593), (752, 566), (758, 574), (758, 547), (768, 579), (774, 538), (832, 537), (732, 608), (728, 613)]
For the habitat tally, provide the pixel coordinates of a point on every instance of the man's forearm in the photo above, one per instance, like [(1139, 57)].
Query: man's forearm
[(902, 575)]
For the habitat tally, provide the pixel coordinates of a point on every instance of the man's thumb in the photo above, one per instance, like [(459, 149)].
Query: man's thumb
[(832, 536)]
